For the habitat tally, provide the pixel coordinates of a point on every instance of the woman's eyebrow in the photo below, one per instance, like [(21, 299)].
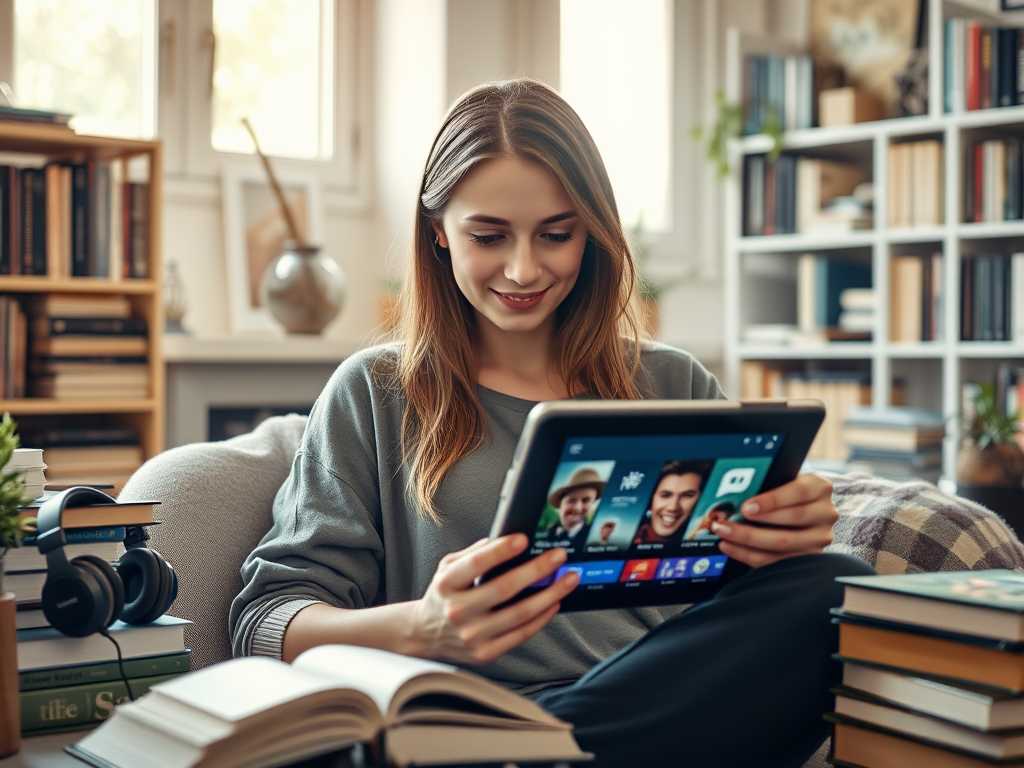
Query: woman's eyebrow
[(505, 222)]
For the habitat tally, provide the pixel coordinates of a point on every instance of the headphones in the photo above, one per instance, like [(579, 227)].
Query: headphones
[(88, 594)]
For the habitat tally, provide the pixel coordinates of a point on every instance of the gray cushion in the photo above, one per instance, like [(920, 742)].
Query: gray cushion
[(217, 503)]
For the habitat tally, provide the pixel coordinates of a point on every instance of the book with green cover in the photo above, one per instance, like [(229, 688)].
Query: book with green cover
[(79, 705), (981, 603), (81, 674)]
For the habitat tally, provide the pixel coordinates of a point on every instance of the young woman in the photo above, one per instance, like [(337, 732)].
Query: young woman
[(520, 290)]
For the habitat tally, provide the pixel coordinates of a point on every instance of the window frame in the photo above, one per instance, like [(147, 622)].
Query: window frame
[(192, 168)]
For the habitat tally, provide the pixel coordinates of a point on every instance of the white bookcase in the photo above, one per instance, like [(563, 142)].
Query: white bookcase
[(933, 372)]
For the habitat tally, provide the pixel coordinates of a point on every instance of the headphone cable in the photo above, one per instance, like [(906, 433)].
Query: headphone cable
[(120, 663)]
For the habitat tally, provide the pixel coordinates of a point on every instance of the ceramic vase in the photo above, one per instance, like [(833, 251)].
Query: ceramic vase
[(303, 289)]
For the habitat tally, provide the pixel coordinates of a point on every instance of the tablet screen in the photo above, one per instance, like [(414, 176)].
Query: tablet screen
[(635, 512)]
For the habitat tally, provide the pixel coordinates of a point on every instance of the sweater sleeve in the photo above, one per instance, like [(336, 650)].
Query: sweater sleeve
[(325, 544)]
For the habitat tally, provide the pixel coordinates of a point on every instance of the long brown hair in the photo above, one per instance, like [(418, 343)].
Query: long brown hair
[(597, 337)]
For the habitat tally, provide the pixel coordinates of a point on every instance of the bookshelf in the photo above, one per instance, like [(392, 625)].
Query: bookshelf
[(34, 146), (755, 268)]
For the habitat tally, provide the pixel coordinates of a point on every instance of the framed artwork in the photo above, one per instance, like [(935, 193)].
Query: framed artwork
[(872, 40), (255, 233), (1012, 5)]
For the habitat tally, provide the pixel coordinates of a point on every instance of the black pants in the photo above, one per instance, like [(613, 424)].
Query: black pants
[(741, 680)]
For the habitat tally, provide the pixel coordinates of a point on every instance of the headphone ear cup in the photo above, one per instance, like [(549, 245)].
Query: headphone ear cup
[(110, 586), (148, 582)]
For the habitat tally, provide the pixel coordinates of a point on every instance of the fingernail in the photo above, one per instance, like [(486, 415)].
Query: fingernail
[(558, 555), (572, 578), (751, 508), (721, 529), (518, 541)]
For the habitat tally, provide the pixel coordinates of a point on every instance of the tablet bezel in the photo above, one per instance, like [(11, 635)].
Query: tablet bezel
[(550, 424)]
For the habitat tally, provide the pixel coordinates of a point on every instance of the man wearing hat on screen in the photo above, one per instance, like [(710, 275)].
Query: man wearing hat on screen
[(574, 501)]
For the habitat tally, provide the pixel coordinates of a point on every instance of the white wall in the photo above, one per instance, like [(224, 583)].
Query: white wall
[(426, 52)]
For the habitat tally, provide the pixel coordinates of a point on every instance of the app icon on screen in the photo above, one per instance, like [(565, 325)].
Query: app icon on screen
[(639, 570), (673, 568)]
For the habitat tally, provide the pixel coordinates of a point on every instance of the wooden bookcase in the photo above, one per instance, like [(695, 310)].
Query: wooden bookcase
[(43, 144), (934, 371)]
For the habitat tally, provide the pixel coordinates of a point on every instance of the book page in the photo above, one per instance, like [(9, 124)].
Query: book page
[(379, 674)]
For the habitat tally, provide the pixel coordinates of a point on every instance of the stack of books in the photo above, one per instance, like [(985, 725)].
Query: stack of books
[(915, 184), (895, 443), (29, 462), (88, 455), (933, 670), (87, 346), (858, 310), (783, 90), (68, 682)]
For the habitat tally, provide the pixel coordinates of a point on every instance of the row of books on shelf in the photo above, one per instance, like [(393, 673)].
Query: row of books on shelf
[(69, 683), (91, 455), (933, 670), (981, 65), (834, 294), (783, 91), (72, 347), (994, 183), (915, 184), (992, 297), (73, 220), (803, 194), (916, 298)]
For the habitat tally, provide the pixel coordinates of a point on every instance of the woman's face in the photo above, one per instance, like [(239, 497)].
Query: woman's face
[(516, 244), (674, 500)]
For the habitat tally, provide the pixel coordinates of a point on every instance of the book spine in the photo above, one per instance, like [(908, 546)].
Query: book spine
[(973, 57), (5, 220), (86, 535), (1007, 67), (1017, 295), (102, 672), (985, 75), (1020, 66), (33, 222), (139, 228), (79, 704), (80, 220), (72, 326), (100, 223)]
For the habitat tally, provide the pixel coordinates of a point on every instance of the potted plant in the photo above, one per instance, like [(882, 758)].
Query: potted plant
[(989, 453), (12, 495)]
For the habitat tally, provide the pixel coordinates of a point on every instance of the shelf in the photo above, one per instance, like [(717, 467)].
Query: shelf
[(783, 243), (44, 406), (989, 229), (834, 351), (916, 350), (982, 349), (30, 284), (915, 234), (181, 348), (60, 141)]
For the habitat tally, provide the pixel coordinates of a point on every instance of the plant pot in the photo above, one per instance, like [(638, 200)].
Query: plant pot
[(303, 289), (10, 706), (997, 466)]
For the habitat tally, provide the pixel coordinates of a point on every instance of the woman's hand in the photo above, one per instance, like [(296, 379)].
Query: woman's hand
[(801, 515), (455, 621)]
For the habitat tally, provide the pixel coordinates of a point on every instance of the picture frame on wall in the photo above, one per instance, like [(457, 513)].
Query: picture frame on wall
[(255, 233), (1011, 5)]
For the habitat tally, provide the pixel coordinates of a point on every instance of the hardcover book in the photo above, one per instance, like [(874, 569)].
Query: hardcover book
[(260, 711), (46, 647), (984, 603)]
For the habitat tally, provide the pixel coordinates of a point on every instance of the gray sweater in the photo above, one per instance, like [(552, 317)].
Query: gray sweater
[(346, 532)]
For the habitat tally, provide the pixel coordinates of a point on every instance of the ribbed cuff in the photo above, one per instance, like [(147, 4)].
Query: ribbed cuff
[(268, 637)]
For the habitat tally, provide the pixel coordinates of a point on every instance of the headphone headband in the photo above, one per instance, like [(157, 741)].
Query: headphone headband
[(48, 522)]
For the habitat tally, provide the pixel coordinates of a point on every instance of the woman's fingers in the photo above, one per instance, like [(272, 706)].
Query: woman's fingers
[(805, 490), (509, 584), (464, 567), (508, 624), (778, 540)]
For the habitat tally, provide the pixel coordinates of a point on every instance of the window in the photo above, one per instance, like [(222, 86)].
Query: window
[(187, 71), (616, 63), (96, 60)]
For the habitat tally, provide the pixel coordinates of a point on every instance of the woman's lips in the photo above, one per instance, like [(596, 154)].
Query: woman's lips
[(520, 301)]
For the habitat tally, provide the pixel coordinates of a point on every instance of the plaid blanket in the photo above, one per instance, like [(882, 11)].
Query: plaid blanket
[(913, 527)]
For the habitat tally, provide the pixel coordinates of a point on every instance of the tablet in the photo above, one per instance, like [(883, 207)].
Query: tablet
[(630, 489)]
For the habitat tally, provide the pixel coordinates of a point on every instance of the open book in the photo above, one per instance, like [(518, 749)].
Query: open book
[(258, 712)]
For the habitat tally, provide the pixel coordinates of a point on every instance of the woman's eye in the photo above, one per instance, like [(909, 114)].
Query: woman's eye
[(559, 237), (485, 239)]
